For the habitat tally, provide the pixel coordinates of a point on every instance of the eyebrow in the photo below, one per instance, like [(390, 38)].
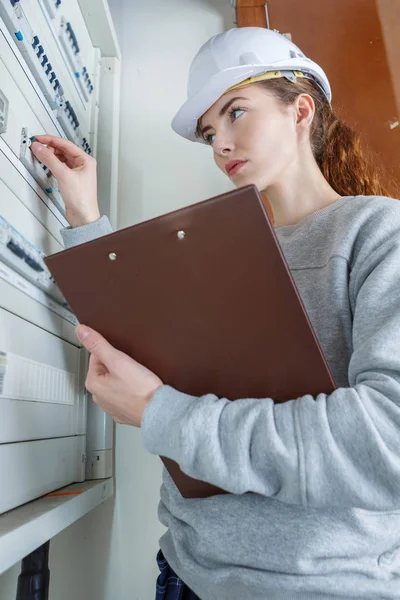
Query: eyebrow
[(222, 112)]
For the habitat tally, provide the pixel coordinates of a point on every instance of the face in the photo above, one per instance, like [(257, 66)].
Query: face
[(247, 124)]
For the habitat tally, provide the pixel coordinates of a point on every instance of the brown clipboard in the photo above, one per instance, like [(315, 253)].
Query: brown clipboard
[(202, 296)]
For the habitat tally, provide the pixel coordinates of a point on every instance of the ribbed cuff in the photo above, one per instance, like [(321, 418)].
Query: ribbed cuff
[(163, 421), (73, 236), (306, 596)]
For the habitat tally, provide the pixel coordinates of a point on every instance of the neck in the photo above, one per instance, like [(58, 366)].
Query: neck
[(301, 191)]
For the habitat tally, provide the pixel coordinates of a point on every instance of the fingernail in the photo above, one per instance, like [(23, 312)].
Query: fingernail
[(82, 332)]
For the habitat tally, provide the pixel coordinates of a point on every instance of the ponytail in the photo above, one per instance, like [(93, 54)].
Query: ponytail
[(345, 164)]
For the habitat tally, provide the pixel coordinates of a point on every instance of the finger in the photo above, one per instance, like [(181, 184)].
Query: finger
[(48, 158), (62, 158), (97, 367), (95, 376), (70, 150), (72, 163), (52, 150), (96, 344)]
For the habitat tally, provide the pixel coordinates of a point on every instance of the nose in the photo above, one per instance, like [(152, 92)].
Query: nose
[(223, 145)]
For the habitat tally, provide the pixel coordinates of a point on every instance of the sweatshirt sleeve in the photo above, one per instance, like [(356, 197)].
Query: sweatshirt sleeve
[(73, 236), (341, 449)]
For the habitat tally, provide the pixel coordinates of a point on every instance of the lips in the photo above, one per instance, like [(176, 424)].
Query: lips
[(233, 166)]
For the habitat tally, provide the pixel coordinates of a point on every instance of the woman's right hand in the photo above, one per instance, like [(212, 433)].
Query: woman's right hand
[(75, 172)]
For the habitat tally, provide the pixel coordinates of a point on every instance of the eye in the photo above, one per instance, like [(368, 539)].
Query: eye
[(209, 138), (233, 111)]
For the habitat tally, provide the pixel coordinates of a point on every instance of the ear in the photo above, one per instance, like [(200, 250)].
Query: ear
[(305, 110)]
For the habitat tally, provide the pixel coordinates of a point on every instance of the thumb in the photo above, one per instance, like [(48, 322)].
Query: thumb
[(97, 345), (48, 158)]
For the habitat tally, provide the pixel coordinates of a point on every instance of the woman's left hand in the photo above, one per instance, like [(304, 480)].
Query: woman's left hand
[(119, 384)]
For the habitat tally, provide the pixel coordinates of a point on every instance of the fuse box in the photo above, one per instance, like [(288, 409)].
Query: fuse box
[(50, 82)]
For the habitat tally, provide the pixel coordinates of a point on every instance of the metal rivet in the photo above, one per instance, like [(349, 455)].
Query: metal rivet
[(181, 234), (112, 256)]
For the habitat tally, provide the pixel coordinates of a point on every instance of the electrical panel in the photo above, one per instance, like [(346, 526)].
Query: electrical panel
[(3, 112), (39, 171), (50, 82), (57, 49)]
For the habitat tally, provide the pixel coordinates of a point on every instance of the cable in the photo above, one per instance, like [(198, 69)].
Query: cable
[(34, 580)]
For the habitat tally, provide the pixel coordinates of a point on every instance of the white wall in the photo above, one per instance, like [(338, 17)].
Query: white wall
[(110, 553), (160, 171)]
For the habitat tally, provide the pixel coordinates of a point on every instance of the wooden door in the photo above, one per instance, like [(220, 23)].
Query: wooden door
[(357, 43)]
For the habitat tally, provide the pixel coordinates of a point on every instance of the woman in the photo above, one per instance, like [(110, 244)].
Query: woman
[(323, 520)]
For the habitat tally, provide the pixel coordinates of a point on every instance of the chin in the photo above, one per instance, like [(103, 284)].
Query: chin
[(258, 182)]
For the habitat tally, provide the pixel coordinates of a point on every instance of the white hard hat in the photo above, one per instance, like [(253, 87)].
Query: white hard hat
[(234, 56)]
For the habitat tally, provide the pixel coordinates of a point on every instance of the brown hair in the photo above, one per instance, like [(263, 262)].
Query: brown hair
[(348, 167)]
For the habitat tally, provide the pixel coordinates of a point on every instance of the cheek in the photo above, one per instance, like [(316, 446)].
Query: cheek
[(219, 161), (273, 139)]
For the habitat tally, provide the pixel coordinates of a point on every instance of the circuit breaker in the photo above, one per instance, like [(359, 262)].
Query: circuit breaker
[(50, 82)]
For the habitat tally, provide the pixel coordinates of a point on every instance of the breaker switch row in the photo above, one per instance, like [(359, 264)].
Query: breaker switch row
[(72, 38), (71, 115), (87, 80), (86, 146), (20, 252), (46, 65)]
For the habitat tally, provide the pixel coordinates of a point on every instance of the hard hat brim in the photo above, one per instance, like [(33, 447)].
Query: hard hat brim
[(185, 120)]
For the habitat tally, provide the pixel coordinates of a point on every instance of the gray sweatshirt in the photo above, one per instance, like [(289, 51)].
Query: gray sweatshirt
[(323, 521)]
